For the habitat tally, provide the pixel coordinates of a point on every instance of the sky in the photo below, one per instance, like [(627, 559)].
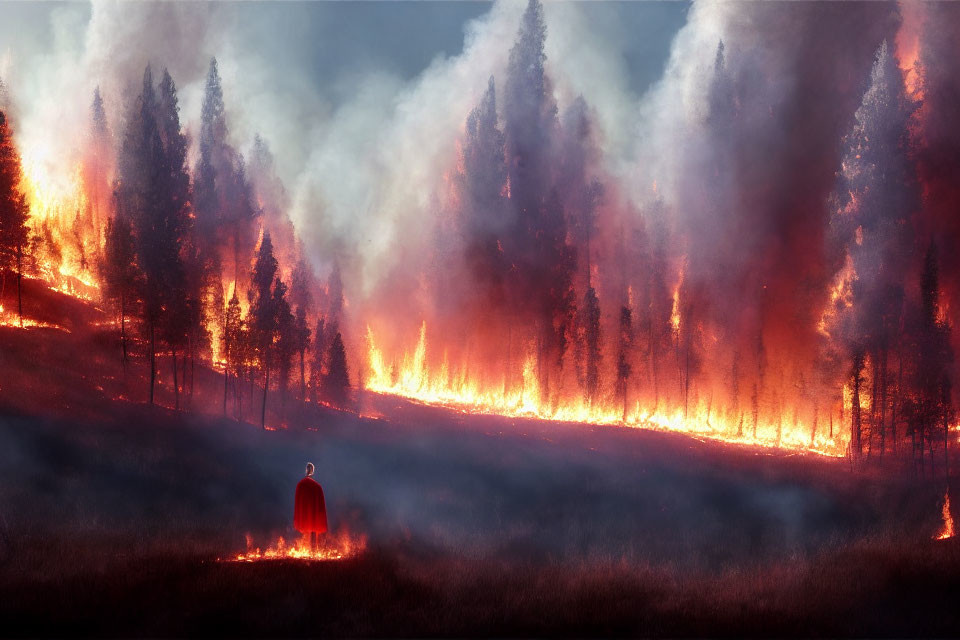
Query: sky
[(330, 41)]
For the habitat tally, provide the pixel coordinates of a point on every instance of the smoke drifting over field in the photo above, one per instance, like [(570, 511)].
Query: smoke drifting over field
[(756, 247)]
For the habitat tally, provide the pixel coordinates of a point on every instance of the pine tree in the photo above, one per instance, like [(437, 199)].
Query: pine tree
[(624, 347), (239, 219), (286, 339), (154, 189), (529, 113), (213, 131), (263, 315), (876, 196), (302, 300), (119, 272), (931, 383), (336, 384), (14, 211), (182, 315), (302, 345), (485, 179), (213, 189), (318, 361), (591, 309), (232, 328), (100, 160)]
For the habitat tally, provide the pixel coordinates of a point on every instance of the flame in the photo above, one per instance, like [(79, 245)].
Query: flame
[(908, 46), (338, 547), (675, 310), (841, 296), (947, 531), (60, 209), (411, 376)]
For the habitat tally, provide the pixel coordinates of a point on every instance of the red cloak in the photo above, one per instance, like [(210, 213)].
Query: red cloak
[(309, 509)]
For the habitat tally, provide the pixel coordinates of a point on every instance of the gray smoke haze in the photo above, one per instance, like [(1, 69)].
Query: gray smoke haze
[(360, 103)]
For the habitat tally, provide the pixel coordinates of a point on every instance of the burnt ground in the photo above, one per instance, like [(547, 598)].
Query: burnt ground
[(113, 514)]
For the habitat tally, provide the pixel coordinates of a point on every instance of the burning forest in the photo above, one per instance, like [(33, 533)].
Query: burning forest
[(751, 246), (793, 296)]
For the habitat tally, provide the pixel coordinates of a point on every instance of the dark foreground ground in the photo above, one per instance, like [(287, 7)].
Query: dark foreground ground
[(113, 515)]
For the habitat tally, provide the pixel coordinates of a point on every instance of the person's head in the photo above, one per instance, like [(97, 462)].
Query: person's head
[(309, 468)]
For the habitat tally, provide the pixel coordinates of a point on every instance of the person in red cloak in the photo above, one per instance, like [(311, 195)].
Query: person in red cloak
[(309, 508)]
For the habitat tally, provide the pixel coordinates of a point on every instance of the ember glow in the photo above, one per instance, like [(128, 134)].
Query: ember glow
[(947, 531), (336, 546)]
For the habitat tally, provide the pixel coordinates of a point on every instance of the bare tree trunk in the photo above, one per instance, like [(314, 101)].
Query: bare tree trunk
[(831, 418), (855, 421), (676, 349), (933, 472), (813, 430), (266, 385), (303, 376), (123, 333), (238, 395), (193, 363), (913, 451), (653, 373), (153, 359), (226, 385), (226, 374), (946, 445), (686, 378), (896, 403), (19, 278), (176, 387), (883, 404), (183, 377), (779, 417)]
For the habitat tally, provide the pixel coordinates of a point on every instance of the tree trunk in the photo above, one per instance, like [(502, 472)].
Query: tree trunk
[(813, 430), (883, 404), (946, 445), (153, 359), (176, 387), (654, 357), (686, 378), (226, 377), (303, 376), (123, 333), (266, 385), (933, 471), (193, 363), (183, 378), (896, 403), (855, 424), (19, 278)]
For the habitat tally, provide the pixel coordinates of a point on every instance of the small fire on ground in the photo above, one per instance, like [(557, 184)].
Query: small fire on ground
[(947, 531), (336, 546)]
